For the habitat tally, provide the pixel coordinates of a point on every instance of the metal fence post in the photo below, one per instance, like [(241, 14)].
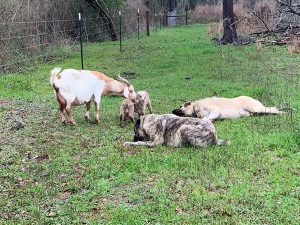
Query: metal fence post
[(148, 22), (80, 33), (138, 19), (120, 27), (186, 15)]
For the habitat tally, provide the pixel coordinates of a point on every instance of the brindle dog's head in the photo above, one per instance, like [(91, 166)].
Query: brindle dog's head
[(145, 127), (138, 135), (186, 109)]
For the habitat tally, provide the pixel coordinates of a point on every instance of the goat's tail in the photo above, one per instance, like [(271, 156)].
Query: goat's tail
[(223, 142), (54, 75)]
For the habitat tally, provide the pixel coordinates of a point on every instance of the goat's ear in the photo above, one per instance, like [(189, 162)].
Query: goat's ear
[(123, 80), (126, 92)]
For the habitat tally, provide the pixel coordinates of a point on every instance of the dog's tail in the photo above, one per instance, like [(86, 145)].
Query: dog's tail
[(287, 109), (271, 110), (223, 142)]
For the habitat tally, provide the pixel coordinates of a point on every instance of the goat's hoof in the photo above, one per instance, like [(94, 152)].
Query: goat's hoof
[(97, 121), (73, 123), (86, 117)]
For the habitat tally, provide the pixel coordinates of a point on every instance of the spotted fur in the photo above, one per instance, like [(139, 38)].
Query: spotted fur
[(152, 130)]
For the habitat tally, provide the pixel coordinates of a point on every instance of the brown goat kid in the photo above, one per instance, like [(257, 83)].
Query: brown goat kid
[(141, 102), (126, 111)]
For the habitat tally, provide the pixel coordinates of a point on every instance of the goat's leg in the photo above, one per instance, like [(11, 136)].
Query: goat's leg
[(150, 107), (97, 111), (131, 118), (131, 114), (122, 120), (97, 106), (62, 109), (87, 113), (69, 113)]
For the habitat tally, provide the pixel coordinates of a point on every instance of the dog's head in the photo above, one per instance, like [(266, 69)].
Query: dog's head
[(139, 134), (186, 109), (146, 127)]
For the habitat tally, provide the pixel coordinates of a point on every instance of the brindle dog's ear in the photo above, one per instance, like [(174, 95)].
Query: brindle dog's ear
[(137, 124)]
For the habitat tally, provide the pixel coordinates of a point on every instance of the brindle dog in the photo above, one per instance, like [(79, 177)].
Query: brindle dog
[(152, 130)]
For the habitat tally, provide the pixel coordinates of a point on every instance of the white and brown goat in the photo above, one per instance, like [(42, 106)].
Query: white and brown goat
[(120, 87), (74, 87), (142, 101)]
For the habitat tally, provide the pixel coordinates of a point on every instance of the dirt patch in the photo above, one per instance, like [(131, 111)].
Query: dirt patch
[(129, 75), (123, 195), (15, 119)]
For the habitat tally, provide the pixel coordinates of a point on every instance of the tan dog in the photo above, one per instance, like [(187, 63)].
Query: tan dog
[(223, 108)]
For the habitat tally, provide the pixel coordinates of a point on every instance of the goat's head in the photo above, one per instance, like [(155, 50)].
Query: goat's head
[(129, 91)]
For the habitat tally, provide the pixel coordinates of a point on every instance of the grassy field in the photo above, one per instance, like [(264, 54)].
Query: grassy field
[(52, 173)]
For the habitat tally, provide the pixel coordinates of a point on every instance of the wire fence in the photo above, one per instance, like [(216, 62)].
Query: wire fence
[(26, 44)]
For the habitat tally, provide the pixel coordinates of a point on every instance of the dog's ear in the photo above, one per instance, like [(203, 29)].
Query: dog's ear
[(187, 103), (137, 124)]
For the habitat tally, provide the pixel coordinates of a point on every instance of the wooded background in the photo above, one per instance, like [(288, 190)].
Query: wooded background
[(30, 27)]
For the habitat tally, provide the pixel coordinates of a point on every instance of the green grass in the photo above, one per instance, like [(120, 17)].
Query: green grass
[(51, 173)]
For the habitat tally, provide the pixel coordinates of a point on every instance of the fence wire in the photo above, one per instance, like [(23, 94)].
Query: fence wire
[(29, 43)]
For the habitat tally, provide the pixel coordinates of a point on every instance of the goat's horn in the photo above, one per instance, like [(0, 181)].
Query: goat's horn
[(123, 80)]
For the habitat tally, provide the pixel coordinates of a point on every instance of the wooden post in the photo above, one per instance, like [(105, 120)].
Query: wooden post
[(160, 21), (165, 19), (186, 15), (148, 22)]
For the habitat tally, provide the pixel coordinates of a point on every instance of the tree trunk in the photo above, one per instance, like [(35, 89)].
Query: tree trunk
[(99, 6), (230, 34)]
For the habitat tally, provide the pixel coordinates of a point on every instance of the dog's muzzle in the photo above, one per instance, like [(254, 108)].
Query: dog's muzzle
[(137, 138), (178, 112)]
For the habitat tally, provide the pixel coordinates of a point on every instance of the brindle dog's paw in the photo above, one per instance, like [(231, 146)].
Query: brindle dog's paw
[(125, 144)]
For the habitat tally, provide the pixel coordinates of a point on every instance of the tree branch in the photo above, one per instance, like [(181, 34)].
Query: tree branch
[(265, 24), (290, 7)]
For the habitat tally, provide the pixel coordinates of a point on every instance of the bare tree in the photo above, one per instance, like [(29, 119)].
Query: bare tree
[(103, 12), (230, 34)]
